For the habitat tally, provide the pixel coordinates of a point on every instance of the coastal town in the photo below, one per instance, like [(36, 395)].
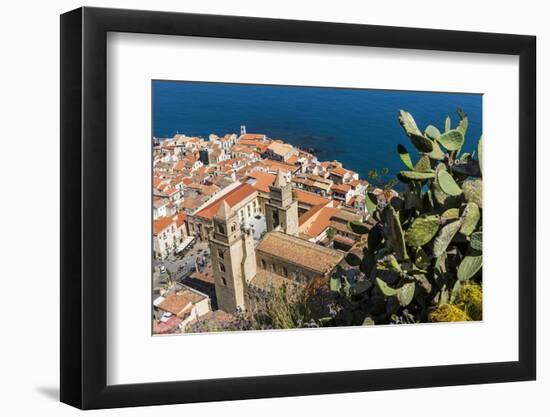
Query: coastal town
[(240, 213)]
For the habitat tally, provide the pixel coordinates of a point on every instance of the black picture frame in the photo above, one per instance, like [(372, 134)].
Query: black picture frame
[(84, 207)]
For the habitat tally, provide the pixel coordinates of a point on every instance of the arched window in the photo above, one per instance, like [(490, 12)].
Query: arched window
[(222, 267), (285, 271), (224, 282), (264, 264), (221, 229)]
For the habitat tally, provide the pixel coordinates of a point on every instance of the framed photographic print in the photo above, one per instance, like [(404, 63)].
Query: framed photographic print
[(258, 208)]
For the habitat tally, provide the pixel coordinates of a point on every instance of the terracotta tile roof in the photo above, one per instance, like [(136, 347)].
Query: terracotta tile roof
[(281, 149), (156, 182), (345, 240), (192, 203), (161, 224), (180, 165), (269, 281), (227, 137), (180, 218), (166, 327), (254, 144), (299, 252), (252, 136), (170, 191), (315, 223), (262, 180), (341, 188), (310, 214), (292, 160), (217, 317), (205, 276), (339, 171), (275, 166), (208, 189), (180, 302), (232, 198), (346, 215), (160, 202), (310, 199)]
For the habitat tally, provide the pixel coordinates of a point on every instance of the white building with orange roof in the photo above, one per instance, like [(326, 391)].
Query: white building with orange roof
[(165, 237), (225, 142), (312, 183), (184, 303), (245, 152), (306, 200), (274, 167), (242, 198), (315, 223), (160, 207), (341, 175), (260, 137), (342, 192), (280, 151)]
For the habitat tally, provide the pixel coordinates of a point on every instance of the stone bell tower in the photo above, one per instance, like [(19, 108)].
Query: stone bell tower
[(233, 259), (281, 209)]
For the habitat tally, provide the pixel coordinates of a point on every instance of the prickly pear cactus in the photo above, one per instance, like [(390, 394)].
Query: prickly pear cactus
[(423, 259)]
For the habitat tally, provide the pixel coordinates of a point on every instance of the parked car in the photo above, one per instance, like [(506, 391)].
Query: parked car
[(162, 269)]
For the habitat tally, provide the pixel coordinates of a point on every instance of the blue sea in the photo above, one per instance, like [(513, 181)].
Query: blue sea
[(358, 127)]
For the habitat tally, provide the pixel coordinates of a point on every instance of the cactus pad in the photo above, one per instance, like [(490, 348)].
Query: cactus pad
[(463, 125), (417, 176), (405, 157), (452, 140), (447, 183), (396, 238), (385, 288), (469, 266), (450, 214), (371, 202), (473, 191), (407, 122), (476, 241), (422, 230), (471, 216), (436, 153), (432, 132), (480, 154), (405, 294), (423, 164), (422, 143), (445, 236)]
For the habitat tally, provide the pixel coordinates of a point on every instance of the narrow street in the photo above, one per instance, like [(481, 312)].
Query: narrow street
[(182, 265)]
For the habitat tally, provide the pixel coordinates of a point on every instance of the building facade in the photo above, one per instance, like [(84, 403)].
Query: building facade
[(281, 209), (233, 259)]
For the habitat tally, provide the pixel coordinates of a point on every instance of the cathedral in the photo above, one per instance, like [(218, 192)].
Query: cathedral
[(281, 256)]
